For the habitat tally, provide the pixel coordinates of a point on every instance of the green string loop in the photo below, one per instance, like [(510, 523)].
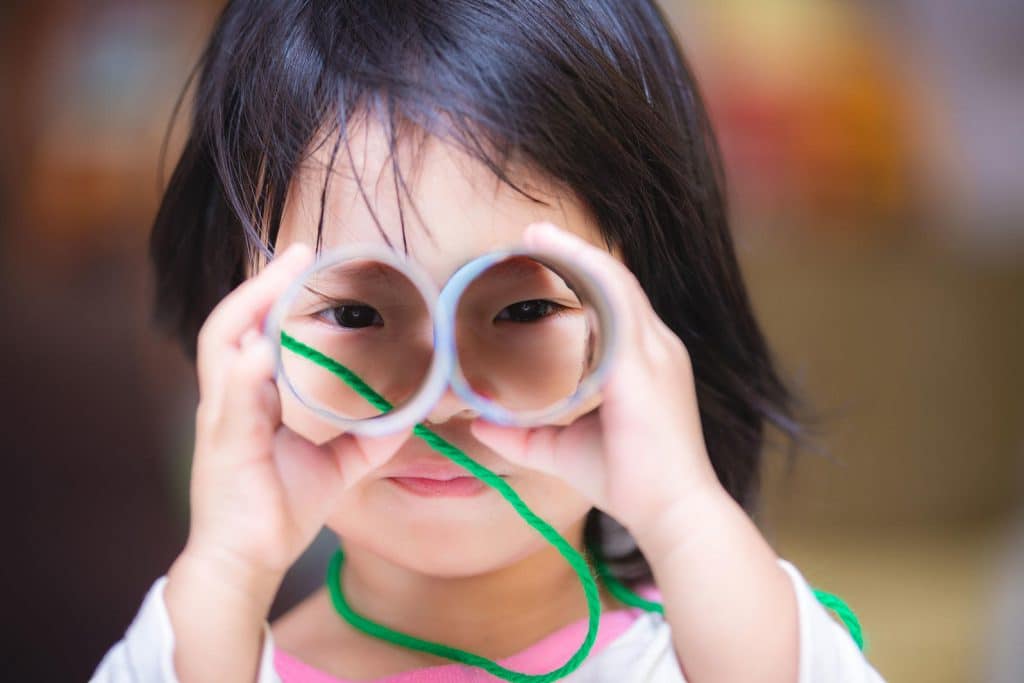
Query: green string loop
[(843, 611), (447, 449), (618, 589), (627, 596)]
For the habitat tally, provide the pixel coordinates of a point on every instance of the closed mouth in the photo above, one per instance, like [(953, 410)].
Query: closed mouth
[(430, 487)]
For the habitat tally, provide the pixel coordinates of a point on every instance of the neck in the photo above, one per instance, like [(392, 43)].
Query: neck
[(493, 614)]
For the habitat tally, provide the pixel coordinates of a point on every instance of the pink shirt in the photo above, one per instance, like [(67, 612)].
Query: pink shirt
[(547, 654)]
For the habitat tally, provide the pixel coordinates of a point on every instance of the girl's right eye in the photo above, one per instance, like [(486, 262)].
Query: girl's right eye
[(352, 316)]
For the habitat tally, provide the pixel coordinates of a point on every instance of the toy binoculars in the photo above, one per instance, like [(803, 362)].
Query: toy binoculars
[(365, 341)]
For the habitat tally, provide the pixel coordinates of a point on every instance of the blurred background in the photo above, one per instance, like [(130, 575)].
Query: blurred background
[(874, 158)]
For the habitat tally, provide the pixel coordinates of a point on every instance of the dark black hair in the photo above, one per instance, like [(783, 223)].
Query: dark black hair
[(594, 94)]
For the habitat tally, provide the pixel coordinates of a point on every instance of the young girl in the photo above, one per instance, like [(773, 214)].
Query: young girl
[(321, 123)]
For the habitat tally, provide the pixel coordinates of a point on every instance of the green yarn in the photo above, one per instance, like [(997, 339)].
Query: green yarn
[(618, 589), (326, 362), (383, 632), (447, 449), (843, 611), (627, 596)]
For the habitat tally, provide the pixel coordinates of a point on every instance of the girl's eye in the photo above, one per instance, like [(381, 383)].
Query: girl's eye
[(528, 311), (353, 315)]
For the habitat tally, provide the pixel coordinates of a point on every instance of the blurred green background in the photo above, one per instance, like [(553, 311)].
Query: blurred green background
[(873, 154)]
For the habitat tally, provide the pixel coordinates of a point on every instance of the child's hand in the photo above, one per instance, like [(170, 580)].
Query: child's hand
[(641, 458), (259, 492), (643, 449)]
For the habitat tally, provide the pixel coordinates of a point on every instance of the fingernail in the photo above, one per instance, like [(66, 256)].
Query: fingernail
[(296, 249), (546, 230), (291, 252)]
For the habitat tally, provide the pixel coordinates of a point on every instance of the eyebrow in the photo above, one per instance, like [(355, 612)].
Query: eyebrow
[(523, 267), (374, 272), (518, 266), (365, 270), (358, 274)]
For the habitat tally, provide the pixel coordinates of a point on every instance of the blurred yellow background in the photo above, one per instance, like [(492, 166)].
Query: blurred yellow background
[(873, 155)]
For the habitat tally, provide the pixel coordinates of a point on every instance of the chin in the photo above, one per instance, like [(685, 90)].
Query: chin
[(453, 537), (450, 551)]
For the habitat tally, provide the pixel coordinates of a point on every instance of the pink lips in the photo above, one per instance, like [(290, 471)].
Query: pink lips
[(459, 487), (437, 479)]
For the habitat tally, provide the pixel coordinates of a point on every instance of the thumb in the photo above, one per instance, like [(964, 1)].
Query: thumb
[(357, 456), (570, 452)]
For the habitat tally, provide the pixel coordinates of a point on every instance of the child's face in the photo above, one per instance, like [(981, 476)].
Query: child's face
[(468, 212)]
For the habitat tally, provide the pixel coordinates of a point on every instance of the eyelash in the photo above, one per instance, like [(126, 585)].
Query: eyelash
[(554, 308), (329, 316)]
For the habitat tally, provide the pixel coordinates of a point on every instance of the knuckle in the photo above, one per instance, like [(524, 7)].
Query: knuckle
[(671, 341), (261, 356), (248, 369), (663, 348), (626, 273), (659, 354)]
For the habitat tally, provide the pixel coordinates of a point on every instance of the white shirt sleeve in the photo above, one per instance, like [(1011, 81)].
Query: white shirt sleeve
[(146, 653), (828, 652), (645, 652)]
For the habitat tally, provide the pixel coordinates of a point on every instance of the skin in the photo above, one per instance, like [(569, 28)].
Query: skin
[(264, 482)]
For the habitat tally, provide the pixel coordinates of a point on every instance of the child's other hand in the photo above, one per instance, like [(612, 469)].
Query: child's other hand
[(259, 491), (643, 449)]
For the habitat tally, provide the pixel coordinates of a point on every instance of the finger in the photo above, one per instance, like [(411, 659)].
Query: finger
[(248, 303), (245, 307), (629, 301), (308, 472), (572, 452), (315, 475), (247, 412), (357, 456), (647, 343)]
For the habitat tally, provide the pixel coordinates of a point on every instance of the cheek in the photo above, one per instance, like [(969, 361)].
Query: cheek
[(453, 538)]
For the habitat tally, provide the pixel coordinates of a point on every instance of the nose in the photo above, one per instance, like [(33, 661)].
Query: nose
[(448, 407)]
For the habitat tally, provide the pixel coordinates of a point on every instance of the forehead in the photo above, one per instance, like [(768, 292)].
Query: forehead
[(454, 208)]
